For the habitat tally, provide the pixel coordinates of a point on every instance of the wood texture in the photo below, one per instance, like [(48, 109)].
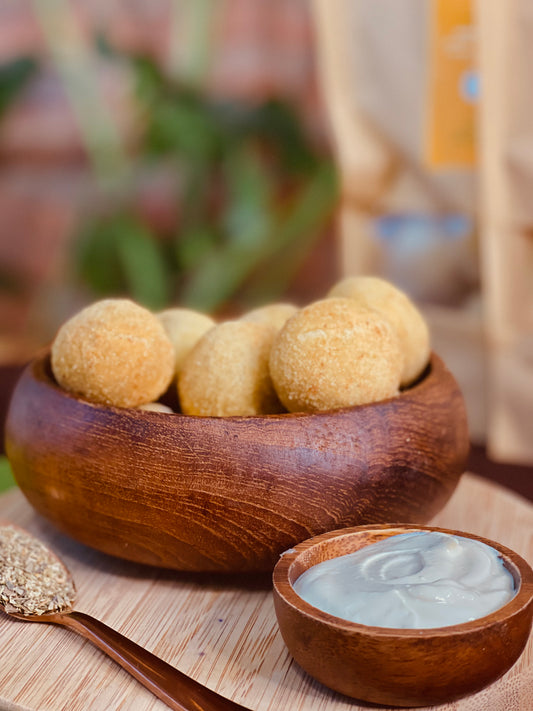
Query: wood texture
[(230, 494), (178, 691), (398, 667), (221, 630)]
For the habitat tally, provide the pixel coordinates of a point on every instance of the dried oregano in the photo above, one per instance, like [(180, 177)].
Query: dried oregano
[(33, 580)]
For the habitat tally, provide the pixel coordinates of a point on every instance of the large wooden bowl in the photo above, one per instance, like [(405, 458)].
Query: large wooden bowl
[(230, 494), (398, 667)]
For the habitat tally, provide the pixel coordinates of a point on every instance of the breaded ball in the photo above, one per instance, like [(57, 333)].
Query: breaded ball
[(184, 327), (113, 352), (405, 317), (226, 373), (275, 314), (335, 353)]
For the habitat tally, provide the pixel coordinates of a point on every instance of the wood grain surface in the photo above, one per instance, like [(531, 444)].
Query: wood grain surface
[(222, 631)]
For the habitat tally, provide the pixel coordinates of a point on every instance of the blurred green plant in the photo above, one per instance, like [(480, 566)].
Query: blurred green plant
[(6, 476), (14, 76), (253, 194)]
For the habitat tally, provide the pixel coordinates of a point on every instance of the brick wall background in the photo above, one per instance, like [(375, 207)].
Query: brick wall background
[(258, 48)]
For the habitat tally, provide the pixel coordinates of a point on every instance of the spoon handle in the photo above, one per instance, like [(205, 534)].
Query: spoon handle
[(177, 690)]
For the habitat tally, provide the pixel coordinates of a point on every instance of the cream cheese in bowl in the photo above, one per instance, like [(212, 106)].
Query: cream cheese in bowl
[(416, 580)]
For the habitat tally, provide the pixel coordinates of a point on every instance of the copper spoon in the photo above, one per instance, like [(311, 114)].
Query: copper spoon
[(177, 690)]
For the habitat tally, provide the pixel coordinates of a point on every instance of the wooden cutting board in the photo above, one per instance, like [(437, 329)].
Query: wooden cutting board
[(220, 630)]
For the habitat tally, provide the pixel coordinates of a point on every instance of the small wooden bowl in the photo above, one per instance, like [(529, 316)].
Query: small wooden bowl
[(399, 667), (231, 493)]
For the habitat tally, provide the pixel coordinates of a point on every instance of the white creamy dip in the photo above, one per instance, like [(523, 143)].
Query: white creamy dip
[(421, 579)]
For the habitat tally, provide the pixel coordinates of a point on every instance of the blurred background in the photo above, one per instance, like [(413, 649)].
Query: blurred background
[(174, 151), (220, 154)]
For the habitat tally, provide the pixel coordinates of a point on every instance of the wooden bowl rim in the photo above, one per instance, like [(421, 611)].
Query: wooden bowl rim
[(435, 370), (518, 566)]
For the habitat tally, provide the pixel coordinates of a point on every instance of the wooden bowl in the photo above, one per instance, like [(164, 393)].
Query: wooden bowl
[(230, 494), (399, 667)]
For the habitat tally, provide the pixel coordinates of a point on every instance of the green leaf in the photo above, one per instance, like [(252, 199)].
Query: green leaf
[(247, 216), (103, 46), (149, 80), (119, 255), (194, 245), (181, 124), (276, 123), (95, 258), (294, 236), (197, 183), (142, 264), (218, 277), (246, 221), (13, 77), (6, 476)]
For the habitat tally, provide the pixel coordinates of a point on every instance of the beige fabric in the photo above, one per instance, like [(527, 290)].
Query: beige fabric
[(380, 72), (506, 169), (375, 78)]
